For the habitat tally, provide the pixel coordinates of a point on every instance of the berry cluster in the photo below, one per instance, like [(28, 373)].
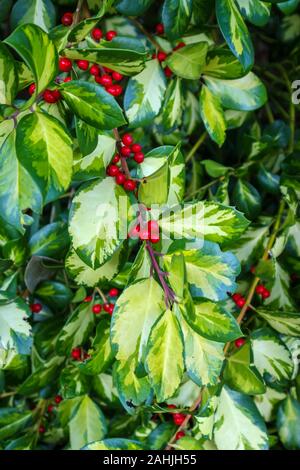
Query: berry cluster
[(57, 400), (263, 291), (97, 34), (178, 419), (161, 55), (239, 300), (106, 306), (148, 231), (78, 354)]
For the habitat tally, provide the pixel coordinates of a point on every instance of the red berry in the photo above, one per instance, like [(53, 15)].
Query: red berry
[(125, 151), (113, 292), (94, 70), (65, 65), (67, 79), (97, 34), (239, 342), (36, 308), (56, 94), (49, 96), (159, 28), (58, 399), (116, 158), (161, 56), (139, 157), (179, 435), (144, 234), (88, 298), (266, 294), (106, 307), (42, 429), (67, 19), (117, 76), (97, 308), (179, 46), (154, 56), (130, 185), (241, 302), (168, 72), (236, 297), (83, 64), (172, 407), (112, 170), (135, 148), (50, 408), (178, 418), (114, 90), (105, 80), (127, 139), (134, 232), (120, 178), (260, 289), (76, 354), (110, 35), (107, 70), (111, 309), (31, 89)]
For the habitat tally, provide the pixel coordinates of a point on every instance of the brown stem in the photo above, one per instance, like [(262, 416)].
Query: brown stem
[(101, 295), (169, 294), (146, 33)]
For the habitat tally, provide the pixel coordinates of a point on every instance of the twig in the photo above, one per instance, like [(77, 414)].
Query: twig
[(196, 146), (146, 33), (169, 294), (101, 294)]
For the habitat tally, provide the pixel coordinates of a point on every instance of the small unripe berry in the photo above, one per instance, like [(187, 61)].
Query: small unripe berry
[(31, 89), (58, 399), (110, 35), (83, 64), (139, 157), (65, 64), (125, 151), (67, 19), (115, 90), (88, 298), (178, 418), (239, 342), (179, 435), (159, 28), (130, 185), (161, 56), (168, 72), (36, 308), (117, 76), (127, 139), (97, 308), (113, 292), (112, 170), (135, 148), (104, 80), (94, 70), (97, 34), (120, 178)]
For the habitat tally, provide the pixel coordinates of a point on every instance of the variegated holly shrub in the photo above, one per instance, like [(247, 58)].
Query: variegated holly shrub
[(150, 239)]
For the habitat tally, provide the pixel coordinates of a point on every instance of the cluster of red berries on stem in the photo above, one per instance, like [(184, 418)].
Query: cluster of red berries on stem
[(263, 291), (106, 306), (161, 55), (178, 419), (57, 400), (148, 231), (97, 34), (78, 354), (103, 76), (239, 300)]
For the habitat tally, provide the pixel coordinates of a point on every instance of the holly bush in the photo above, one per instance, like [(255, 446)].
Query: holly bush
[(150, 257)]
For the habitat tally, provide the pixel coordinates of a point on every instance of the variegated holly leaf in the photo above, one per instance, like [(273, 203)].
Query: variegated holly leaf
[(144, 95), (206, 413), (235, 31), (81, 30), (154, 189), (87, 423), (287, 323), (8, 76), (176, 15), (124, 54), (221, 63), (210, 272), (213, 322), (238, 424), (164, 359), (94, 164), (98, 221), (15, 331), (173, 105), (243, 94), (76, 330), (268, 403), (141, 266), (38, 52), (43, 375), (115, 444), (51, 240), (39, 12), (288, 6), (189, 61), (136, 310), (203, 219), (213, 115), (85, 275), (280, 297), (271, 357), (240, 372), (288, 419), (91, 103), (255, 11), (156, 159), (44, 148)]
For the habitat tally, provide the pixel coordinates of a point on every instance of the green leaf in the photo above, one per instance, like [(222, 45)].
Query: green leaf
[(136, 310), (288, 7), (87, 424), (238, 424), (280, 297), (287, 323), (255, 11), (39, 12), (124, 54), (154, 189), (243, 94), (267, 403), (51, 240), (215, 169), (212, 115), (271, 356), (144, 95), (43, 375), (247, 199), (160, 436), (288, 419), (235, 31), (203, 219), (44, 149), (97, 220), (173, 104), (15, 331), (132, 390), (81, 30), (91, 103), (213, 322), (101, 353), (221, 63), (115, 444), (56, 294), (129, 8), (176, 15), (76, 330), (164, 360), (12, 421), (8, 76), (189, 61), (241, 374), (38, 52)]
